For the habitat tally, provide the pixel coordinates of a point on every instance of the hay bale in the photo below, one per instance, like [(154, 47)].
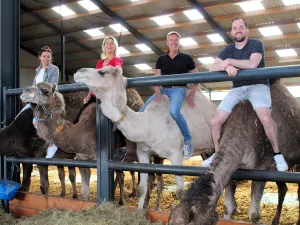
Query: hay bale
[(6, 218), (106, 214)]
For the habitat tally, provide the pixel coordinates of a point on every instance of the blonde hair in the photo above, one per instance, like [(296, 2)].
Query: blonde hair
[(103, 55)]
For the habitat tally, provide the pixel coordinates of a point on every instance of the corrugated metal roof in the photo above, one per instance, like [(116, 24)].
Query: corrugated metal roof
[(34, 34)]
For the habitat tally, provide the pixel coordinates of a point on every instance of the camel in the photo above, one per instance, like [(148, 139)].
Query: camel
[(198, 205), (68, 138), (154, 129)]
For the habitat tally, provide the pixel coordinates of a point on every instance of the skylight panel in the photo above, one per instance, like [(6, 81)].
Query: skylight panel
[(270, 31), (298, 25), (88, 5), (118, 27), (143, 47), (63, 10), (291, 2), (215, 38), (206, 60), (122, 51), (94, 32), (162, 20), (251, 6), (143, 66), (286, 52), (193, 14), (187, 41), (134, 0)]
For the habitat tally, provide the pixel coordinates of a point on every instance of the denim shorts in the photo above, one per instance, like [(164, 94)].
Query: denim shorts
[(258, 94)]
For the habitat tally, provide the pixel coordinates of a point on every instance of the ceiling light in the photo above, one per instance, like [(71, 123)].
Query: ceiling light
[(206, 60), (162, 20), (94, 32), (187, 41), (143, 66), (143, 47), (291, 2), (63, 10), (286, 52), (122, 51), (215, 38), (193, 14), (270, 31), (118, 27), (251, 6), (88, 5), (298, 25)]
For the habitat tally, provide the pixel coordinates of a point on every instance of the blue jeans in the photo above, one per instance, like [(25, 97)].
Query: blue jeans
[(176, 96)]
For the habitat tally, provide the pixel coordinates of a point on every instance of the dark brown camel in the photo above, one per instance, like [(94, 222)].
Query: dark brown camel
[(243, 144)]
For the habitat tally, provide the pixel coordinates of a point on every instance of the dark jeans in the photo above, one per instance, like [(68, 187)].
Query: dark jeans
[(93, 99)]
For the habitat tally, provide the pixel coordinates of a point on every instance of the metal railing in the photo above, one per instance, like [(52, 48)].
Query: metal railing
[(104, 163)]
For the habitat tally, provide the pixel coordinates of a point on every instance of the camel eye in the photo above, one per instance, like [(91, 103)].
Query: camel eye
[(102, 73)]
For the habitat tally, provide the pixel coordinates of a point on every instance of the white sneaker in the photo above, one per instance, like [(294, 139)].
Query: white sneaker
[(188, 150), (51, 150), (207, 162), (281, 164)]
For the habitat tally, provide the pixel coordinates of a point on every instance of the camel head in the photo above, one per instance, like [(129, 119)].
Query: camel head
[(101, 81), (43, 94)]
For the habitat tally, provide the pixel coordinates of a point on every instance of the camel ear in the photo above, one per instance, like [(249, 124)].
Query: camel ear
[(54, 88), (119, 71)]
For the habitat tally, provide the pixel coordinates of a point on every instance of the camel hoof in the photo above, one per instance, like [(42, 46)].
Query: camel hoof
[(62, 194), (254, 218)]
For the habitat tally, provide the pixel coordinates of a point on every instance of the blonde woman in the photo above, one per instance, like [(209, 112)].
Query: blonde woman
[(109, 57)]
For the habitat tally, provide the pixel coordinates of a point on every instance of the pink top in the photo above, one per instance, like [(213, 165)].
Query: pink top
[(115, 61)]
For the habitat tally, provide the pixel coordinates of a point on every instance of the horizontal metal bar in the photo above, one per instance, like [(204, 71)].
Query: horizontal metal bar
[(55, 162), (256, 175), (61, 88), (204, 77)]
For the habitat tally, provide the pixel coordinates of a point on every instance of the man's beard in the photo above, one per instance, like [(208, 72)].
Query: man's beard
[(240, 39)]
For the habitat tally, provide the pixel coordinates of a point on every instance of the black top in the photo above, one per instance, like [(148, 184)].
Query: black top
[(252, 46), (181, 63)]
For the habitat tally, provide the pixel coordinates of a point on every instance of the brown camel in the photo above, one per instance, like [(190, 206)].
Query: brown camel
[(243, 144), (68, 138), (20, 139)]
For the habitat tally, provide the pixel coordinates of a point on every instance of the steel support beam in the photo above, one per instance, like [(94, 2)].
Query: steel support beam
[(214, 25), (58, 31), (130, 28)]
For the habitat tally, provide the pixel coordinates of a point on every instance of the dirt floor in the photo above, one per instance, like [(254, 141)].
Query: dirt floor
[(268, 204)]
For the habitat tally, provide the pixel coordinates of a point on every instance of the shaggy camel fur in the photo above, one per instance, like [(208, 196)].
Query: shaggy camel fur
[(153, 130), (198, 205), (20, 139), (65, 134)]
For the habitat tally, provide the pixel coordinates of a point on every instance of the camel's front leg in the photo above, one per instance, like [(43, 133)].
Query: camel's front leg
[(229, 202), (27, 169), (143, 158), (85, 174), (72, 178), (44, 179), (61, 175), (257, 190), (176, 158)]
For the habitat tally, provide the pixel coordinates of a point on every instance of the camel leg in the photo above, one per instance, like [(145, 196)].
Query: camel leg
[(282, 189), (160, 188), (150, 186), (116, 182), (257, 190), (229, 202), (61, 175), (143, 158), (44, 180), (177, 159), (27, 169), (134, 188), (85, 174), (72, 178), (121, 186)]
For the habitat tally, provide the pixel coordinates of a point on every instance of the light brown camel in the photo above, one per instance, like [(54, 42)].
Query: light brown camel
[(198, 205), (153, 130), (66, 134)]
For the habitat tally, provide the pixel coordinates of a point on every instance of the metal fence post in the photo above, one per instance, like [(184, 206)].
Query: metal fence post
[(104, 154)]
